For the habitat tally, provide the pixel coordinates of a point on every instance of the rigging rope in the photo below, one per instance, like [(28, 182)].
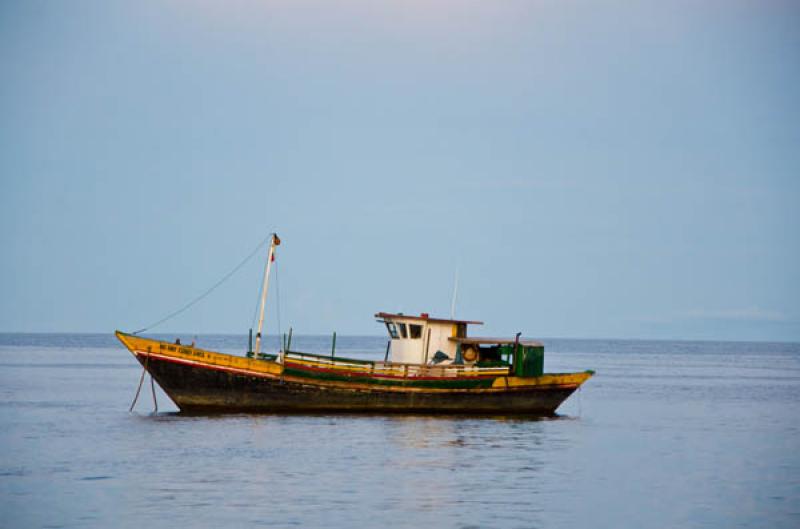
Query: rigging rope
[(258, 300), (207, 292), (278, 296)]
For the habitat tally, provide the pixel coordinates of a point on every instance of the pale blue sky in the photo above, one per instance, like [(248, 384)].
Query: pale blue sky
[(598, 169)]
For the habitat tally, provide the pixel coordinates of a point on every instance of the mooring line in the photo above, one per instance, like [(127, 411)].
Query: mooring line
[(141, 380), (153, 389)]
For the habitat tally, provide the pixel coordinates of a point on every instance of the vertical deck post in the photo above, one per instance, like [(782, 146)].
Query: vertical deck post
[(333, 346), (386, 356), (289, 343), (427, 346), (250, 341)]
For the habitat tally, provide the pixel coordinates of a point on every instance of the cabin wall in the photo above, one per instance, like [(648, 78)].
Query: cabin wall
[(408, 350), (440, 334), (412, 351)]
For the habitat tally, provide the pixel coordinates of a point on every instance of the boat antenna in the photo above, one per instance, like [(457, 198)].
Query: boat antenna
[(207, 292), (270, 258), (455, 295)]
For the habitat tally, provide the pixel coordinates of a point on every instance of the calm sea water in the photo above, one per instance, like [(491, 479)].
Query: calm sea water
[(668, 434)]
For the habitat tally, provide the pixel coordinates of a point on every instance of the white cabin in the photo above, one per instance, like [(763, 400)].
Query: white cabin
[(418, 339)]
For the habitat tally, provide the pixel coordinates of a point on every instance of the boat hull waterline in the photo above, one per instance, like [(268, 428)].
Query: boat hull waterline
[(204, 381)]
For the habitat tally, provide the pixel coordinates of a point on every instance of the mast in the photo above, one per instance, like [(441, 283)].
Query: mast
[(271, 257)]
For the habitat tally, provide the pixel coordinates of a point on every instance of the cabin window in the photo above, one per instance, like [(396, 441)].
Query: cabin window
[(403, 330), (415, 331), (392, 328)]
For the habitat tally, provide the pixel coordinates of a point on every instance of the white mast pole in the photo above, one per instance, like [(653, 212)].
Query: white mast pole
[(274, 242)]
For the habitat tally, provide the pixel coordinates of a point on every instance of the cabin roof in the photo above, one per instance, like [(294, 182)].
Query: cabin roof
[(422, 317), (480, 340)]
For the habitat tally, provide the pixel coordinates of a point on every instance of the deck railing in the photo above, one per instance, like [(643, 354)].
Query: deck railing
[(393, 368)]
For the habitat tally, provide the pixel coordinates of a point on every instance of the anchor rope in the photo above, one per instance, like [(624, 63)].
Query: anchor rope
[(139, 388), (153, 389), (141, 380), (136, 397), (208, 291)]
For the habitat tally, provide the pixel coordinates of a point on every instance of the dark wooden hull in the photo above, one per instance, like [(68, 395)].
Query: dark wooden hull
[(197, 388)]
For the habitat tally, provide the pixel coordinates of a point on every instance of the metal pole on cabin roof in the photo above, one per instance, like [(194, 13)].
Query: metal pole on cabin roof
[(455, 294), (270, 257)]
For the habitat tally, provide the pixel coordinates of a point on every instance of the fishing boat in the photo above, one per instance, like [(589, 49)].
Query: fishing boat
[(431, 365)]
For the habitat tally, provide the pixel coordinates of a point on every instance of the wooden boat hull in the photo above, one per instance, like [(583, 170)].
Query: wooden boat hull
[(204, 381)]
